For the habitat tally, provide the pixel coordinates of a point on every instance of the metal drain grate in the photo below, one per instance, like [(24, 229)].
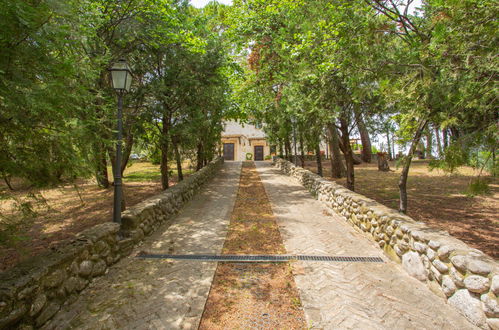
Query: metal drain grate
[(257, 258)]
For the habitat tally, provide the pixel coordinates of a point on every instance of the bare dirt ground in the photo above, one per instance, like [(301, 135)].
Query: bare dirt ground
[(436, 198), (253, 295), (57, 214)]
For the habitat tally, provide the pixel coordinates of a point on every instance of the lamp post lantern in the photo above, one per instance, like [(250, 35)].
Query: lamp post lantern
[(121, 78)]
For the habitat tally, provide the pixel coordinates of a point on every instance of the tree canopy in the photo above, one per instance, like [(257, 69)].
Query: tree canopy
[(316, 71)]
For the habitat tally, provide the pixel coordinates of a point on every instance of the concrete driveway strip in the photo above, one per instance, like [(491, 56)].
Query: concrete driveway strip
[(345, 295), (155, 293)]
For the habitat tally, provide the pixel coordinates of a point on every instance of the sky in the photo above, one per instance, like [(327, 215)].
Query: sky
[(202, 3)]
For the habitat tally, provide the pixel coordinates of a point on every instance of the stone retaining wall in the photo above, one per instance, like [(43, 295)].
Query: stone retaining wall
[(466, 277), (33, 291)]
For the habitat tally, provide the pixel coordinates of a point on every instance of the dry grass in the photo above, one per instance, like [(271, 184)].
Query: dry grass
[(249, 295), (436, 198), (60, 213)]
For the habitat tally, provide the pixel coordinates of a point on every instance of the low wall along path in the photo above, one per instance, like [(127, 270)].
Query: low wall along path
[(466, 277), (32, 292)]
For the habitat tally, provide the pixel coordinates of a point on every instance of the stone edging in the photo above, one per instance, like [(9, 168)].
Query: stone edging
[(32, 292), (466, 277)]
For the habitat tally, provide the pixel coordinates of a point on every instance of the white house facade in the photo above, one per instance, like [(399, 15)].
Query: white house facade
[(244, 141)]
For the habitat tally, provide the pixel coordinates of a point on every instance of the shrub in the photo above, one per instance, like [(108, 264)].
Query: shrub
[(477, 187)]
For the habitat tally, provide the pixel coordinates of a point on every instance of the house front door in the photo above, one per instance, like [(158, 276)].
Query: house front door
[(258, 152), (229, 151)]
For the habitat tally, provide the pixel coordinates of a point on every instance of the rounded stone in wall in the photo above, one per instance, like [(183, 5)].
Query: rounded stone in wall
[(85, 268), (436, 274), (434, 244), (81, 283), (412, 263), (444, 252), (477, 283), (431, 254), (55, 279), (420, 247), (70, 284), (460, 262), (479, 267), (99, 268), (470, 306), (38, 304), (24, 293), (442, 268), (490, 305), (494, 287), (398, 250), (47, 313), (457, 277), (448, 285)]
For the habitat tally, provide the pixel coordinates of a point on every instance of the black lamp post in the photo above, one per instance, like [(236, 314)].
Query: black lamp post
[(121, 77)]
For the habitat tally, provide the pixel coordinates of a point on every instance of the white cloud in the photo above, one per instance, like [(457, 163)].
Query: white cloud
[(202, 3), (414, 5)]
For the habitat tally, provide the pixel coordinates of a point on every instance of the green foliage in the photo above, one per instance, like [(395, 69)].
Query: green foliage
[(296, 66), (477, 187), (454, 157), (57, 110), (484, 160)]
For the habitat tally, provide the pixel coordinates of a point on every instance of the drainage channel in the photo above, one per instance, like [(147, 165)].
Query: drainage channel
[(257, 258)]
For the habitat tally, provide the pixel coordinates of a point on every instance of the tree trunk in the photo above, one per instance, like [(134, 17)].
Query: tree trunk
[(446, 138), (337, 167), (101, 166), (390, 156), (393, 147), (343, 147), (111, 153), (318, 159), (178, 159), (200, 157), (429, 143), (129, 140), (383, 162), (407, 164), (366, 154), (455, 133), (494, 172), (345, 137), (6, 179), (287, 148), (281, 151), (302, 151), (439, 142), (164, 154)]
